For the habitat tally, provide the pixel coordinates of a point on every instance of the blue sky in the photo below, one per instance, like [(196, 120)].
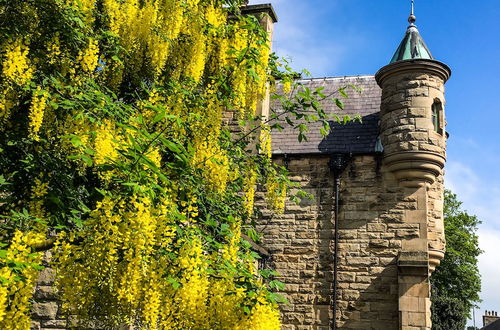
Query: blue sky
[(340, 37)]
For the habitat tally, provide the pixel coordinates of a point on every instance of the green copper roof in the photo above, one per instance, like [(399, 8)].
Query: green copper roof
[(412, 46)]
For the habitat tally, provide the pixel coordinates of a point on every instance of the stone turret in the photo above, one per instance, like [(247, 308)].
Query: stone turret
[(412, 130), (412, 120)]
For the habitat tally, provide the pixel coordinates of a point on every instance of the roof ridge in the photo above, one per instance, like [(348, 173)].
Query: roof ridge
[(336, 77)]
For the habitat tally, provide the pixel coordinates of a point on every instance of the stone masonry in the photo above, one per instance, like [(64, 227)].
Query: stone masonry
[(391, 232), (373, 226), (46, 306)]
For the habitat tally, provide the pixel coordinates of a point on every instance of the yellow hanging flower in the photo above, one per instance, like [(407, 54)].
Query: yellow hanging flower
[(215, 16), (276, 194), (38, 191), (106, 143), (249, 197), (54, 50), (198, 56), (15, 294), (287, 87), (89, 57), (38, 104), (16, 65), (265, 141), (6, 104)]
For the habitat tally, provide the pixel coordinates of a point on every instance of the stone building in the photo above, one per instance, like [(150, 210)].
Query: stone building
[(491, 320), (362, 250)]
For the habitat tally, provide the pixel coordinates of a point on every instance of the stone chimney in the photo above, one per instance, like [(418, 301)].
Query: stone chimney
[(490, 317), (267, 17)]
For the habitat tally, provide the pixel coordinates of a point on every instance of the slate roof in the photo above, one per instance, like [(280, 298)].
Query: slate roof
[(492, 326), (356, 138)]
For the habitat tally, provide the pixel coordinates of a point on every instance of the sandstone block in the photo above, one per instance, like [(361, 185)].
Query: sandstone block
[(420, 91), (417, 319), (376, 227), (45, 292), (46, 277), (347, 277), (360, 261), (54, 324), (46, 310), (350, 294)]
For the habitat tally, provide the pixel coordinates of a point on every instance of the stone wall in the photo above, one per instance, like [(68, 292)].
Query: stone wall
[(46, 311), (378, 220)]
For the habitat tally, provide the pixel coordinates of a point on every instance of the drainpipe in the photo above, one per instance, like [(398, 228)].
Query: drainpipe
[(338, 163)]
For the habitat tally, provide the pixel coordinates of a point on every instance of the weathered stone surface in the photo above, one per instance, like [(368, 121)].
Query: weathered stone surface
[(45, 292), (45, 310), (46, 277), (54, 324)]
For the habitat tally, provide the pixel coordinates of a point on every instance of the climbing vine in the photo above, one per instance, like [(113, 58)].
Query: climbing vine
[(115, 154)]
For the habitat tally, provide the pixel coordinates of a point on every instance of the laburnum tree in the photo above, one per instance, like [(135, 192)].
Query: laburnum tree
[(114, 156), (456, 283)]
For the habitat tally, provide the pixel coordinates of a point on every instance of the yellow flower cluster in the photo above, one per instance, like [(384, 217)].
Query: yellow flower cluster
[(89, 57), (215, 165), (198, 57), (38, 191), (249, 197), (16, 64), (265, 141), (287, 87), (249, 88), (15, 294), (38, 104), (6, 104), (143, 255), (263, 317), (276, 194), (54, 48), (119, 258), (106, 143)]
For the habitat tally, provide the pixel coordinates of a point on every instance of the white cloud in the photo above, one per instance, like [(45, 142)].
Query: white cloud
[(489, 267), (299, 37), (462, 180), (481, 197)]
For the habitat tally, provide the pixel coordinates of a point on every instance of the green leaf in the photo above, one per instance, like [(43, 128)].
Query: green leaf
[(276, 285), (117, 59), (174, 282), (3, 182), (343, 93), (339, 103)]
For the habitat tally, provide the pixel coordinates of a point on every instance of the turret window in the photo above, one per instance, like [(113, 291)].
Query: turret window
[(437, 110)]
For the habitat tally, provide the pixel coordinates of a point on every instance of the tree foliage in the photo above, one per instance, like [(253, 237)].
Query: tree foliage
[(456, 283), (114, 154)]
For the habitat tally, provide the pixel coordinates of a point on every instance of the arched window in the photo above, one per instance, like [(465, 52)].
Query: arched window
[(437, 113)]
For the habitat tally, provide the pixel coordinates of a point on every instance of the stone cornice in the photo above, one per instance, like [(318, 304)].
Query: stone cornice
[(415, 167), (262, 8), (417, 65)]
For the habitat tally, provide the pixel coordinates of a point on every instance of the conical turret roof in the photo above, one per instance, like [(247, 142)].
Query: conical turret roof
[(412, 46)]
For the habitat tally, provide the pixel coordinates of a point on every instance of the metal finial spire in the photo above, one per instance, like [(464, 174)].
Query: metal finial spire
[(412, 19)]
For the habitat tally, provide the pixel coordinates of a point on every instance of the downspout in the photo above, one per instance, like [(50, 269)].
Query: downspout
[(338, 163)]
